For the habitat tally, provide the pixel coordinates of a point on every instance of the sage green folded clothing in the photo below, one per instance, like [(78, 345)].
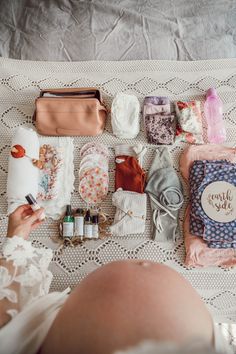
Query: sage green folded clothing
[(166, 196)]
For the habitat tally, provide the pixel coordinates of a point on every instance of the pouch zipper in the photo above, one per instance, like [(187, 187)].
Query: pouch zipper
[(74, 93)]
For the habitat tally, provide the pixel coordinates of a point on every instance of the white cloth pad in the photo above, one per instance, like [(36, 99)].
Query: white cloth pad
[(125, 119)]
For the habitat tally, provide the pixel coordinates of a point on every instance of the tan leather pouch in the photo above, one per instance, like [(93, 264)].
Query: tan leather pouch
[(70, 112)]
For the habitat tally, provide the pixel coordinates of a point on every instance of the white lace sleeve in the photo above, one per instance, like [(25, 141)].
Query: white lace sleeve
[(29, 272)]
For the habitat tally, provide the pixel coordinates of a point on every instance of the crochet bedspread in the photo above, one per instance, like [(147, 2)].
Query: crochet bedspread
[(20, 83)]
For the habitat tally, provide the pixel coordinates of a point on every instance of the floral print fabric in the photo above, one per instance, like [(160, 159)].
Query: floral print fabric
[(93, 173), (202, 173), (160, 129), (198, 254), (189, 127), (50, 164), (159, 122)]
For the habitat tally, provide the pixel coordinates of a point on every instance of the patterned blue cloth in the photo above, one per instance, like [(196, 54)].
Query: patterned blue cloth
[(202, 173)]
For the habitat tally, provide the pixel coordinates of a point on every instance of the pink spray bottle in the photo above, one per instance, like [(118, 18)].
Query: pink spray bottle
[(213, 109)]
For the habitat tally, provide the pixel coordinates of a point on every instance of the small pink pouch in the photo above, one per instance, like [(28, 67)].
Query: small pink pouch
[(199, 255)]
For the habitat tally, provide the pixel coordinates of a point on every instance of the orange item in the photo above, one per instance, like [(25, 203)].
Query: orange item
[(129, 174), (17, 151)]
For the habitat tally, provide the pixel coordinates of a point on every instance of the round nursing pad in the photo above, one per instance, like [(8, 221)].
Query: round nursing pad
[(92, 147), (94, 160), (93, 173), (90, 170), (89, 162), (93, 187)]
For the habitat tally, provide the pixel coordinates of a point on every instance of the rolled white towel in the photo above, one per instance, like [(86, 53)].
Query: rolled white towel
[(22, 174)]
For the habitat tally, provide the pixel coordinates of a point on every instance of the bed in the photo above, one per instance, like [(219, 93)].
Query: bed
[(117, 30)]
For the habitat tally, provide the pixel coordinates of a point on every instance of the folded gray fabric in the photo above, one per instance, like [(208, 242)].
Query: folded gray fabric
[(166, 196)]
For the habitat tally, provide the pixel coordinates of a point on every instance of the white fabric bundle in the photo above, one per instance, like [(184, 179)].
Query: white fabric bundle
[(56, 207), (137, 151), (130, 212), (194, 346), (22, 174), (125, 119)]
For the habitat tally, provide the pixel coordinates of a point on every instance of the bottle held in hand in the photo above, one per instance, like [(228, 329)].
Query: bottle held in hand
[(34, 205)]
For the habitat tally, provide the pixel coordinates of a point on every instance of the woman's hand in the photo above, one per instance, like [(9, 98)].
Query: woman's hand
[(23, 220)]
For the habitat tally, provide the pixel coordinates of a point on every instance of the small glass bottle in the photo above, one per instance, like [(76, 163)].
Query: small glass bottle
[(88, 227), (79, 224), (68, 223), (95, 227), (34, 205)]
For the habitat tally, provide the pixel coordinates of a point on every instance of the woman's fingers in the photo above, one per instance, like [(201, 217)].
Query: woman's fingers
[(36, 224), (20, 210), (35, 216), (27, 213)]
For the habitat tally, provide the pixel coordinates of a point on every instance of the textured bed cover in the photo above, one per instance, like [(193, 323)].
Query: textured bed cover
[(20, 83), (117, 30)]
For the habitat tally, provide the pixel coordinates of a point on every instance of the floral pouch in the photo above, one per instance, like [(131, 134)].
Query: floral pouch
[(189, 126)]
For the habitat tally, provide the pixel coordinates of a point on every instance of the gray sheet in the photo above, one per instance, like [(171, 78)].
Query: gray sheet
[(117, 29)]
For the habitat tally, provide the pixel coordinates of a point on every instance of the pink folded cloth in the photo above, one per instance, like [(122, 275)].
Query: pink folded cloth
[(197, 252), (204, 152), (199, 255)]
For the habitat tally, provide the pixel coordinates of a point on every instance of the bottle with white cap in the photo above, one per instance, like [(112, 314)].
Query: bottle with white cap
[(79, 223), (34, 205)]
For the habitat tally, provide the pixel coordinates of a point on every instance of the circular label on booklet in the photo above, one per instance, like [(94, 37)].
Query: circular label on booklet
[(219, 201)]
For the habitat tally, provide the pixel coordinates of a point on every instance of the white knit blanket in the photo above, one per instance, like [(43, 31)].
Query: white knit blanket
[(20, 83)]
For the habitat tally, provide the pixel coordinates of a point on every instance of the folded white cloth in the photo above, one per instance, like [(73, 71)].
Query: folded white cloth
[(137, 151), (125, 119), (193, 346), (29, 328), (22, 174), (54, 208), (24, 177), (130, 212)]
